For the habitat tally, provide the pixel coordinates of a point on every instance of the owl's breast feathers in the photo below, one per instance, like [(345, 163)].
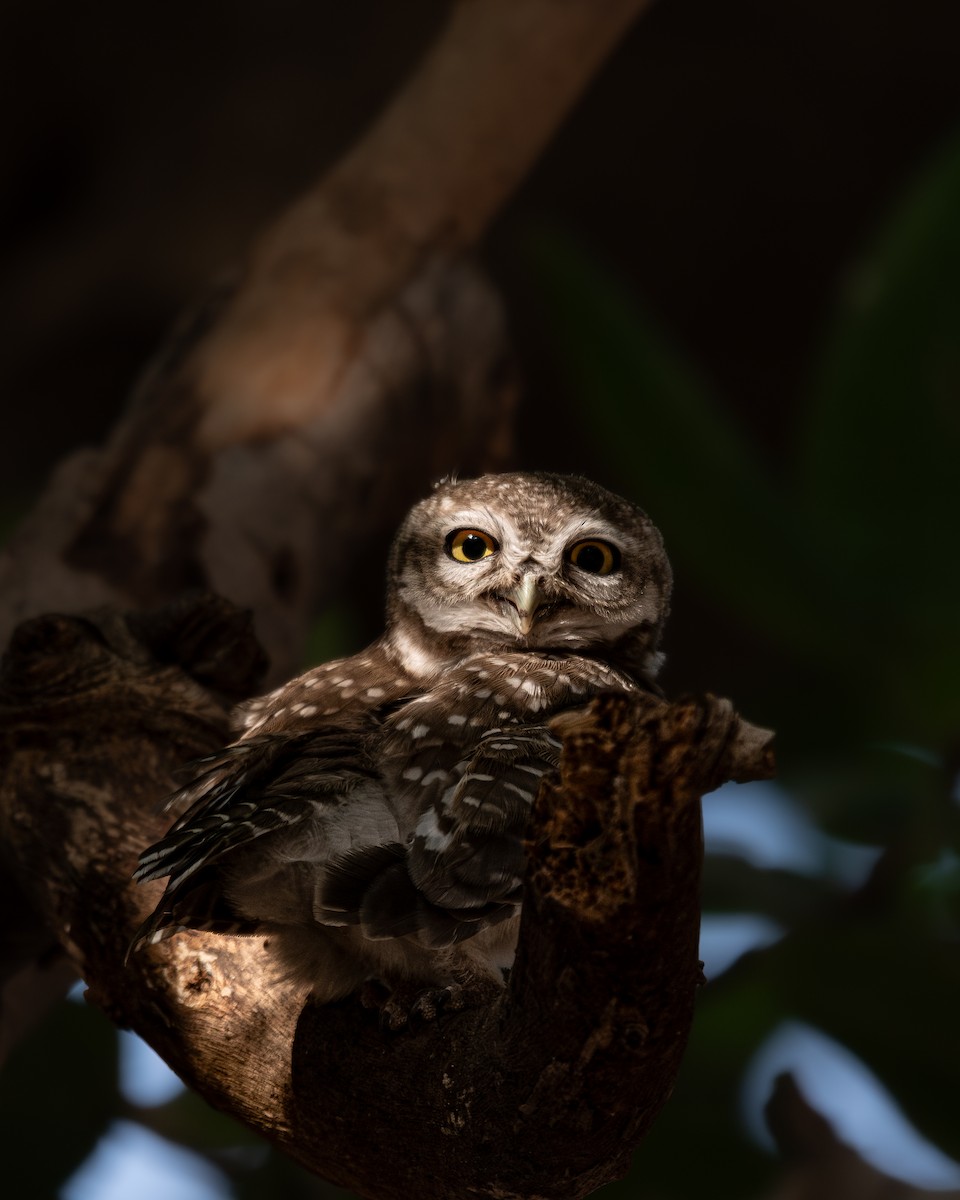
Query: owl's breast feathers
[(358, 797)]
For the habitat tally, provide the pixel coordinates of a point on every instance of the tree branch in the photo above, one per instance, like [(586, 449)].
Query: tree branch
[(544, 1093)]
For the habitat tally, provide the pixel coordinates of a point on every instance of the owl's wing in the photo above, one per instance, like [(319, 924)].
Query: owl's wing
[(249, 790), (462, 869)]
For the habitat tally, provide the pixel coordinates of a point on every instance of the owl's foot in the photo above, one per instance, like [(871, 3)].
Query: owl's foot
[(407, 1004)]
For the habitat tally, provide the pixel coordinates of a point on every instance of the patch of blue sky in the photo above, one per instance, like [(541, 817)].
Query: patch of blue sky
[(863, 1114), (131, 1161), (145, 1079), (725, 937), (763, 825)]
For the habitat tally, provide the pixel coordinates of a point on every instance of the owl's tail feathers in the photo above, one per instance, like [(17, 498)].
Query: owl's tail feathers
[(201, 908), (371, 887)]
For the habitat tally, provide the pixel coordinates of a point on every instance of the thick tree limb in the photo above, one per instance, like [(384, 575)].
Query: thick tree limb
[(544, 1093)]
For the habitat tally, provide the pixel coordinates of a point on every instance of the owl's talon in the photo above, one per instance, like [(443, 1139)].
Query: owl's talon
[(427, 1005), (394, 1017), (453, 998), (409, 1005)]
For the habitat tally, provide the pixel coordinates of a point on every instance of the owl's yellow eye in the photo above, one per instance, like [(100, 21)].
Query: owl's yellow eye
[(594, 557), (470, 545)]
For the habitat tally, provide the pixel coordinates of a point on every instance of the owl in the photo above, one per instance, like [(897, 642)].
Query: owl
[(370, 816)]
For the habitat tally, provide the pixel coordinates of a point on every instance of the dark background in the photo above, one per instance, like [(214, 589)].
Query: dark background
[(728, 163), (727, 193)]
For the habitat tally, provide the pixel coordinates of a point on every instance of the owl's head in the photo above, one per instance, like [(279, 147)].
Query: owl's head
[(528, 561)]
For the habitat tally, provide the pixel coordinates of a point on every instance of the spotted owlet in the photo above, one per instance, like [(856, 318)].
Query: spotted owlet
[(370, 816)]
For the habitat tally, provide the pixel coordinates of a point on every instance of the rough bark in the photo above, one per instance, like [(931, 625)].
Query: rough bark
[(544, 1093)]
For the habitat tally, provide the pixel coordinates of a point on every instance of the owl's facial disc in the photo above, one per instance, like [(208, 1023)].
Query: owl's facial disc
[(552, 587), (528, 562)]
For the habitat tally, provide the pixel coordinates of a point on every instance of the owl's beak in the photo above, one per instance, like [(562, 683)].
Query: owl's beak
[(526, 598)]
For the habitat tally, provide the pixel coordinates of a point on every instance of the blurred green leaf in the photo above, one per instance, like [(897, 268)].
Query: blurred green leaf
[(881, 443), (58, 1094), (877, 795), (722, 514), (934, 893), (732, 885), (192, 1123), (882, 429), (733, 1018), (279, 1176), (888, 991), (334, 633)]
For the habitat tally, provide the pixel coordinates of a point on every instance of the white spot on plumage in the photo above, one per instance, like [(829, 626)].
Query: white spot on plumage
[(434, 838), (434, 777), (416, 660), (524, 795), (456, 719)]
